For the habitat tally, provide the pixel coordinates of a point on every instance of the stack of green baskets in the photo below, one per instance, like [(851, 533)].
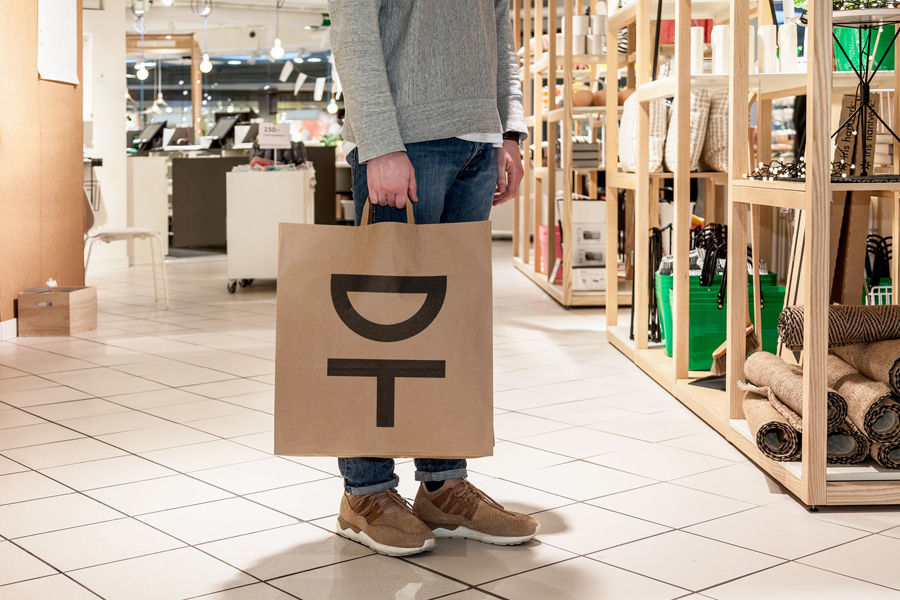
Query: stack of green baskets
[(708, 321)]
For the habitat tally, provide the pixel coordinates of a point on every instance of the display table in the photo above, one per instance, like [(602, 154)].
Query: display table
[(257, 201)]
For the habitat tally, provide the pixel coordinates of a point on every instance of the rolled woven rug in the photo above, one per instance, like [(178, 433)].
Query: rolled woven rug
[(886, 455), (846, 445), (773, 434), (786, 381), (871, 406), (879, 361), (846, 325)]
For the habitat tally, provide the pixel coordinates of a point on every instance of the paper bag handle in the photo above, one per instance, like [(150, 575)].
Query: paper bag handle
[(368, 215)]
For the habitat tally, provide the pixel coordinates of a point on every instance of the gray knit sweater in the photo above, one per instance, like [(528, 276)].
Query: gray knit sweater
[(419, 70)]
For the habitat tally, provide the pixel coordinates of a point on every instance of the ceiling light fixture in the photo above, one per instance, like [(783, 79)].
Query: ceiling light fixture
[(234, 62), (142, 72), (139, 7), (313, 59), (332, 107), (168, 2), (298, 59), (206, 65), (277, 51)]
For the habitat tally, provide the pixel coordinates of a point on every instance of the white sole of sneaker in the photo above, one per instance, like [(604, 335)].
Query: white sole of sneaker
[(365, 540), (470, 534)]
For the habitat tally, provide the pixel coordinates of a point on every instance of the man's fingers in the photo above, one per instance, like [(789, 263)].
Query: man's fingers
[(401, 201), (412, 189)]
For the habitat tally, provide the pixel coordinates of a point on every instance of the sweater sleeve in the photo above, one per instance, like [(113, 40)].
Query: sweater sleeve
[(359, 59), (509, 88)]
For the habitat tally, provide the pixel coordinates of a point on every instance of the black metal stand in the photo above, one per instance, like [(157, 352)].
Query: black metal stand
[(865, 70)]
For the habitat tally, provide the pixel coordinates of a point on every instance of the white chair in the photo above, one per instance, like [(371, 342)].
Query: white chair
[(94, 233)]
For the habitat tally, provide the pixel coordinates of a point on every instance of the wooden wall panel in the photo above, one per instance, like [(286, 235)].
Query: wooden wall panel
[(40, 164)]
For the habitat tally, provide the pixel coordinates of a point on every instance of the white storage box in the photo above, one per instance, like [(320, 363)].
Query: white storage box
[(589, 280)]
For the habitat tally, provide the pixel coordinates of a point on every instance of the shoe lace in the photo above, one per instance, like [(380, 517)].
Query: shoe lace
[(381, 501), (470, 494)]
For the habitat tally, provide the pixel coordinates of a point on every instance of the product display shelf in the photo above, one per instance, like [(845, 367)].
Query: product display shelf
[(645, 185), (533, 207), (555, 290), (811, 479)]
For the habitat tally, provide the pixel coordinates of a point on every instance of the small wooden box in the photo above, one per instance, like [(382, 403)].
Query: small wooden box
[(59, 312)]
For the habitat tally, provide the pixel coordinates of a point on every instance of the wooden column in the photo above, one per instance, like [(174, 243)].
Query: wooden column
[(738, 161), (611, 147), (641, 306), (538, 92), (523, 216), (682, 196), (818, 196), (551, 140), (566, 162)]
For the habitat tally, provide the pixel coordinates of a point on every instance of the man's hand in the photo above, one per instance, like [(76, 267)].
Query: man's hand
[(509, 172), (392, 180)]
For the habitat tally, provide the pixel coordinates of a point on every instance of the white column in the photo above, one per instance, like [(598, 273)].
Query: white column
[(104, 135)]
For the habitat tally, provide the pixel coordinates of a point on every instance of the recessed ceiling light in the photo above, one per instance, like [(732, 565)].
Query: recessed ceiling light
[(234, 62), (168, 37), (265, 87), (314, 59)]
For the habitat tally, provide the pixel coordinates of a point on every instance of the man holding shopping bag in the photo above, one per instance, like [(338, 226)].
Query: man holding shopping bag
[(433, 116)]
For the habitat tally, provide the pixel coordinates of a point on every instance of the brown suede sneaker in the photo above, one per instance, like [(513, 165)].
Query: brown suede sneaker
[(384, 522), (460, 510)]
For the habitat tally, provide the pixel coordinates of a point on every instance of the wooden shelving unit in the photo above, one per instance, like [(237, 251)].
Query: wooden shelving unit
[(811, 479), (531, 211), (643, 186)]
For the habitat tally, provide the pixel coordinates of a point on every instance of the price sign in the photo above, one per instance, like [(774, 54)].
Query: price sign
[(274, 135)]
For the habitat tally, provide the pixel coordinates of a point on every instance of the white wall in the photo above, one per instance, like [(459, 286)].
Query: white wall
[(105, 135)]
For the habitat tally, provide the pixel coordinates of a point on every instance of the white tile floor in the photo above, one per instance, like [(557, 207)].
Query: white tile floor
[(135, 462)]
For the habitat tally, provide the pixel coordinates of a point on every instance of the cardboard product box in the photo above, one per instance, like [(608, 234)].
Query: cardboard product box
[(589, 280), (589, 233), (60, 311), (589, 255), (588, 212)]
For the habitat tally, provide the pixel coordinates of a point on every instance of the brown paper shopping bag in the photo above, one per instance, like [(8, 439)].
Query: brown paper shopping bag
[(384, 341)]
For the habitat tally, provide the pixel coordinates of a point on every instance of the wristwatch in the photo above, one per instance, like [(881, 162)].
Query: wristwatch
[(514, 136)]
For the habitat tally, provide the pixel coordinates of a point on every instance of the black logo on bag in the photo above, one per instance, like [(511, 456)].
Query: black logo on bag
[(386, 372)]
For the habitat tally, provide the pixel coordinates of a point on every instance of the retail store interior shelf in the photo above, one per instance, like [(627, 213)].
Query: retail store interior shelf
[(579, 298), (569, 130), (866, 471)]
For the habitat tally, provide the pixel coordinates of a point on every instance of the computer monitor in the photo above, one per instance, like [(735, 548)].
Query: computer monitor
[(223, 133), (251, 134), (151, 137), (181, 136)]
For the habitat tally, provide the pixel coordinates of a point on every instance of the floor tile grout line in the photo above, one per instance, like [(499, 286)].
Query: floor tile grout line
[(529, 570), (690, 591), (895, 589)]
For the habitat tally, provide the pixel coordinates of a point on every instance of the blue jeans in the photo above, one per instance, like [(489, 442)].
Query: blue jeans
[(455, 182)]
